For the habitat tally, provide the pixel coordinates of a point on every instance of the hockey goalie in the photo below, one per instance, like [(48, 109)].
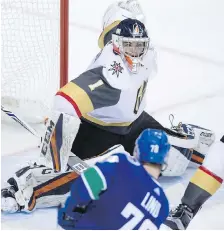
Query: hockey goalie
[(99, 109)]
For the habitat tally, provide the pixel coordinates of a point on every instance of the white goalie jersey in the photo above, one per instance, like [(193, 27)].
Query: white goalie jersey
[(107, 94)]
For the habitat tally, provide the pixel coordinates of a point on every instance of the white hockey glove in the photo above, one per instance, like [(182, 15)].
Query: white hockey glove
[(190, 144), (61, 130)]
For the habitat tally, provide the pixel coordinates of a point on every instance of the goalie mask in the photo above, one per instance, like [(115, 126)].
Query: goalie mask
[(131, 42)]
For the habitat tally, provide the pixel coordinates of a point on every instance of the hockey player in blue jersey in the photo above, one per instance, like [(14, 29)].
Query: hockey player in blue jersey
[(122, 191)]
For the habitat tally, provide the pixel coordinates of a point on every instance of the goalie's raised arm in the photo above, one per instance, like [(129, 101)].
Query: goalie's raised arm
[(114, 14)]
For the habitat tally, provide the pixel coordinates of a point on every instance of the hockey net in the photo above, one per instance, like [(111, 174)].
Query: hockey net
[(34, 55)]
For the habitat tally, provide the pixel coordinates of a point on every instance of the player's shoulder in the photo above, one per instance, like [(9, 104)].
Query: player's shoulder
[(112, 164), (106, 70), (125, 160), (158, 191), (121, 158), (121, 162), (114, 71)]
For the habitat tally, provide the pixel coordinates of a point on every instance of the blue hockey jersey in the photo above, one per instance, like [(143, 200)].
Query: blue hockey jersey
[(115, 194)]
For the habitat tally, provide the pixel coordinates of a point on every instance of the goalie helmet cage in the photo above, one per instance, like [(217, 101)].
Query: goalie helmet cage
[(34, 48)]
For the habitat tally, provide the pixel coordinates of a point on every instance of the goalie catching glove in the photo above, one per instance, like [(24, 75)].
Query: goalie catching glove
[(190, 145)]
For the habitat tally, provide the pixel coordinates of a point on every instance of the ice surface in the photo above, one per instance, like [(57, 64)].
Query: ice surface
[(190, 85)]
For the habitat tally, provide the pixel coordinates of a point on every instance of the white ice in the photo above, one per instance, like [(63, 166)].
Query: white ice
[(190, 84)]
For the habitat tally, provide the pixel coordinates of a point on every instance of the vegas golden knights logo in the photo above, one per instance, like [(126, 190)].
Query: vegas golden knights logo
[(140, 95)]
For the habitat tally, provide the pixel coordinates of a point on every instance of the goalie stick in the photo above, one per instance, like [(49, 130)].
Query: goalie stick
[(77, 164), (20, 121)]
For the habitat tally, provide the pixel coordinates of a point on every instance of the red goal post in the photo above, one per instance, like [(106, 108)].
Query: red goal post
[(64, 41)]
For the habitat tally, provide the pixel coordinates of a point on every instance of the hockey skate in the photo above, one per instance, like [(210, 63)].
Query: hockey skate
[(179, 218)]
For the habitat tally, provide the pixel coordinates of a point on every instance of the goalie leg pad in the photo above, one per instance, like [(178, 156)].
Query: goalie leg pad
[(58, 139), (38, 187)]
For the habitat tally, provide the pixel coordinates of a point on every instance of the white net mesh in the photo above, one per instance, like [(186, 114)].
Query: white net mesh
[(30, 55)]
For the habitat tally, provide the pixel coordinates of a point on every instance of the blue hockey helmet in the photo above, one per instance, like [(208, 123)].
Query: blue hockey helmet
[(131, 28), (130, 41), (152, 146)]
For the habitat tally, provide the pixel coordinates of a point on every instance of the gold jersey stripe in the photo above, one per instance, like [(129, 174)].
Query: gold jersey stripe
[(79, 96), (102, 123), (205, 181)]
